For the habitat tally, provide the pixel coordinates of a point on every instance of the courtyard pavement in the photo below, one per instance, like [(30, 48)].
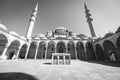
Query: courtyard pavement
[(78, 70)]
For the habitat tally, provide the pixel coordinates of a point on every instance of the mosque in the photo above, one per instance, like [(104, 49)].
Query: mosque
[(60, 40)]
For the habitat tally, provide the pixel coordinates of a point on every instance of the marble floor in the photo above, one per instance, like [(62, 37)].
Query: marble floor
[(78, 70)]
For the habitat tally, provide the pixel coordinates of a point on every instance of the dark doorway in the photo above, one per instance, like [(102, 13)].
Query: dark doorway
[(90, 51), (23, 51), (11, 55), (109, 48), (41, 50), (60, 50), (80, 51), (61, 47), (99, 52), (50, 49)]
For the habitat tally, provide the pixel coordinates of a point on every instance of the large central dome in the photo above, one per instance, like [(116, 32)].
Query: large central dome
[(61, 31)]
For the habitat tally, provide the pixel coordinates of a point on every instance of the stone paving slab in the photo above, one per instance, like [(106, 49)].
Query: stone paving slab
[(78, 70)]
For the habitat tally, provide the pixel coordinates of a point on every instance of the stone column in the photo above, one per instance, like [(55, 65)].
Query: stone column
[(46, 49), (4, 52), (36, 50), (66, 47), (18, 51), (55, 47), (27, 51), (75, 51), (85, 53)]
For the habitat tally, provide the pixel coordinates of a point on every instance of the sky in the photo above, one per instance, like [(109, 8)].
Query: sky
[(15, 15)]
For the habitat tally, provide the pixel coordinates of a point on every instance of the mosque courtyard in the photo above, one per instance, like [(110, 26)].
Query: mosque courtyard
[(78, 70)]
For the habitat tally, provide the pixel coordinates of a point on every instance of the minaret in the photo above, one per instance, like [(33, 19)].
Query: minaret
[(31, 23), (89, 21)]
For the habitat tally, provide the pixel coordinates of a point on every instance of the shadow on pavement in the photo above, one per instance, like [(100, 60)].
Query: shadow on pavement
[(16, 76), (47, 63), (108, 63)]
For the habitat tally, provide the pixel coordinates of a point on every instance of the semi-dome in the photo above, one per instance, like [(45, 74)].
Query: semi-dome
[(40, 36), (14, 33), (2, 26)]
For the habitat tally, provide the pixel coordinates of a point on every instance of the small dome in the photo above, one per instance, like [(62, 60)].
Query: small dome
[(40, 35), (2, 26), (14, 33)]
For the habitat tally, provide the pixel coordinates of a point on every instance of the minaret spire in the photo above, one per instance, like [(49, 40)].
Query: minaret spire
[(89, 21), (32, 22)]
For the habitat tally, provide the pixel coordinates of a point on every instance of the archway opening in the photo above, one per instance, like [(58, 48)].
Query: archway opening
[(90, 51), (118, 43), (109, 49), (32, 50), (50, 49), (13, 49), (71, 49), (61, 47), (3, 42), (80, 51), (41, 50), (23, 51), (99, 52)]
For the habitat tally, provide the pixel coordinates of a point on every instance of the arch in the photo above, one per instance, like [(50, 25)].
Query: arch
[(3, 42), (118, 43), (41, 50), (32, 50), (80, 50), (90, 51), (109, 48), (61, 48), (13, 49), (23, 51), (99, 52), (71, 49), (50, 49)]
